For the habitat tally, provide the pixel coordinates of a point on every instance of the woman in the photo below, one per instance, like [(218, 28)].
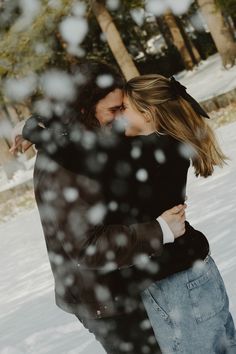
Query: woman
[(189, 310)]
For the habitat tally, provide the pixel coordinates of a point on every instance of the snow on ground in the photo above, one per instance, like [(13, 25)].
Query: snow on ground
[(30, 322), (20, 176), (209, 79)]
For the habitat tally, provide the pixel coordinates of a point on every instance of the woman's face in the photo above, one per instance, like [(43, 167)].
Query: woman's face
[(108, 107), (135, 122)]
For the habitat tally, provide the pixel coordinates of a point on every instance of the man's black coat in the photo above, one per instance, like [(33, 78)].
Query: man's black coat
[(98, 196)]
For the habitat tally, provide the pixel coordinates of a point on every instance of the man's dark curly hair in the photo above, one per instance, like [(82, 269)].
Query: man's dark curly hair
[(82, 107), (89, 93)]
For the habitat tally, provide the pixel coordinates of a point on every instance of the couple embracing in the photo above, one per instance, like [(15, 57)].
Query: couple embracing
[(110, 179)]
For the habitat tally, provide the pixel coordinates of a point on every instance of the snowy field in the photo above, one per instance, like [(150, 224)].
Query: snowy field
[(208, 79), (30, 322)]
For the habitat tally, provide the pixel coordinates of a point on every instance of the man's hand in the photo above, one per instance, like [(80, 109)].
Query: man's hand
[(175, 218)]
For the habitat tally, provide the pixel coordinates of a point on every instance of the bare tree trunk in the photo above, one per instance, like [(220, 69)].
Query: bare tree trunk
[(179, 40), (220, 32), (114, 40), (188, 42)]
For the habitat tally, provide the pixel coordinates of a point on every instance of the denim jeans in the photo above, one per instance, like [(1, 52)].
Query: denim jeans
[(189, 312)]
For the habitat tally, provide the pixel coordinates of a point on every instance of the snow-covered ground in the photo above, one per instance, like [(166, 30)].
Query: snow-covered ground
[(20, 176), (209, 79), (30, 322)]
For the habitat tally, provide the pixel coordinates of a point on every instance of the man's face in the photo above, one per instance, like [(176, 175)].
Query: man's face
[(108, 107), (135, 121)]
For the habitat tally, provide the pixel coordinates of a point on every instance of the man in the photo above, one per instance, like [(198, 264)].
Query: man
[(100, 263)]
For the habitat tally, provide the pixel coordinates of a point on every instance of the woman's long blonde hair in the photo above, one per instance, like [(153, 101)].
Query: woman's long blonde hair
[(153, 96)]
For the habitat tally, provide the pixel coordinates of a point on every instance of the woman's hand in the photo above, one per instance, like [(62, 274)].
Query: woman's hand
[(19, 144), (175, 218)]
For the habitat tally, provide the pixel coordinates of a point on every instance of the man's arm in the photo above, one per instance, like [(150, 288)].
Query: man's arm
[(128, 243), (124, 243)]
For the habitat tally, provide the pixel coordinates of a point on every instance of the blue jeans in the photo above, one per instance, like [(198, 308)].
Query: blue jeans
[(189, 312)]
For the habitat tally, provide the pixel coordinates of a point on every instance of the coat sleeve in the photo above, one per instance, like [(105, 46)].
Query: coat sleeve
[(32, 131), (55, 141), (120, 246)]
